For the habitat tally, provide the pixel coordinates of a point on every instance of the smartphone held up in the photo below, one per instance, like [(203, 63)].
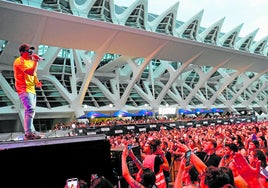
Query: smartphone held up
[(187, 157)]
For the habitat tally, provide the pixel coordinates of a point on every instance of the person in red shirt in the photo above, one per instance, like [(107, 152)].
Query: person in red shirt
[(25, 74)]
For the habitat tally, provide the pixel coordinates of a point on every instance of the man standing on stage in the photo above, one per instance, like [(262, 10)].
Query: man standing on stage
[(25, 74)]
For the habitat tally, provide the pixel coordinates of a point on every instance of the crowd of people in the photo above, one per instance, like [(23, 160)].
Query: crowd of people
[(233, 155), (220, 156), (116, 121)]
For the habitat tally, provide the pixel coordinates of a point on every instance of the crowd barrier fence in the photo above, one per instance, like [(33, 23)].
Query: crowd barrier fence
[(147, 127)]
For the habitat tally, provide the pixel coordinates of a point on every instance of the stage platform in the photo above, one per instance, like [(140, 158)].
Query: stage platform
[(49, 141), (16, 136), (49, 162)]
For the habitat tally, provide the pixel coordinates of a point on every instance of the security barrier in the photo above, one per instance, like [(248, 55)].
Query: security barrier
[(147, 127)]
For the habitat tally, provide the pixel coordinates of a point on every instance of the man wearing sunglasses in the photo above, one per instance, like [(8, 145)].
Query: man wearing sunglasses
[(25, 74)]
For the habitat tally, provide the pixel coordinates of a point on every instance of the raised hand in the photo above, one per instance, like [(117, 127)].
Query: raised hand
[(248, 173), (39, 84)]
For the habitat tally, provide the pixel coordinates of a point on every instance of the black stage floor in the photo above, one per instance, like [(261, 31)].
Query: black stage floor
[(49, 141), (49, 162)]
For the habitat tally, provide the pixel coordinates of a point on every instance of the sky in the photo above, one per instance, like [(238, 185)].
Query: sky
[(252, 13)]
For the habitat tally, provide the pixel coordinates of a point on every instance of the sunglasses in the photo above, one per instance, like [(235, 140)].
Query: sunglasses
[(30, 51)]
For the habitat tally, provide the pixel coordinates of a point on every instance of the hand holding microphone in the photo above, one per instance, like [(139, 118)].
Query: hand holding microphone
[(39, 84), (37, 57)]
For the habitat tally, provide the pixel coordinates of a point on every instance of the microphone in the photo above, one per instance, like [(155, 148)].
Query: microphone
[(35, 56), (41, 58)]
